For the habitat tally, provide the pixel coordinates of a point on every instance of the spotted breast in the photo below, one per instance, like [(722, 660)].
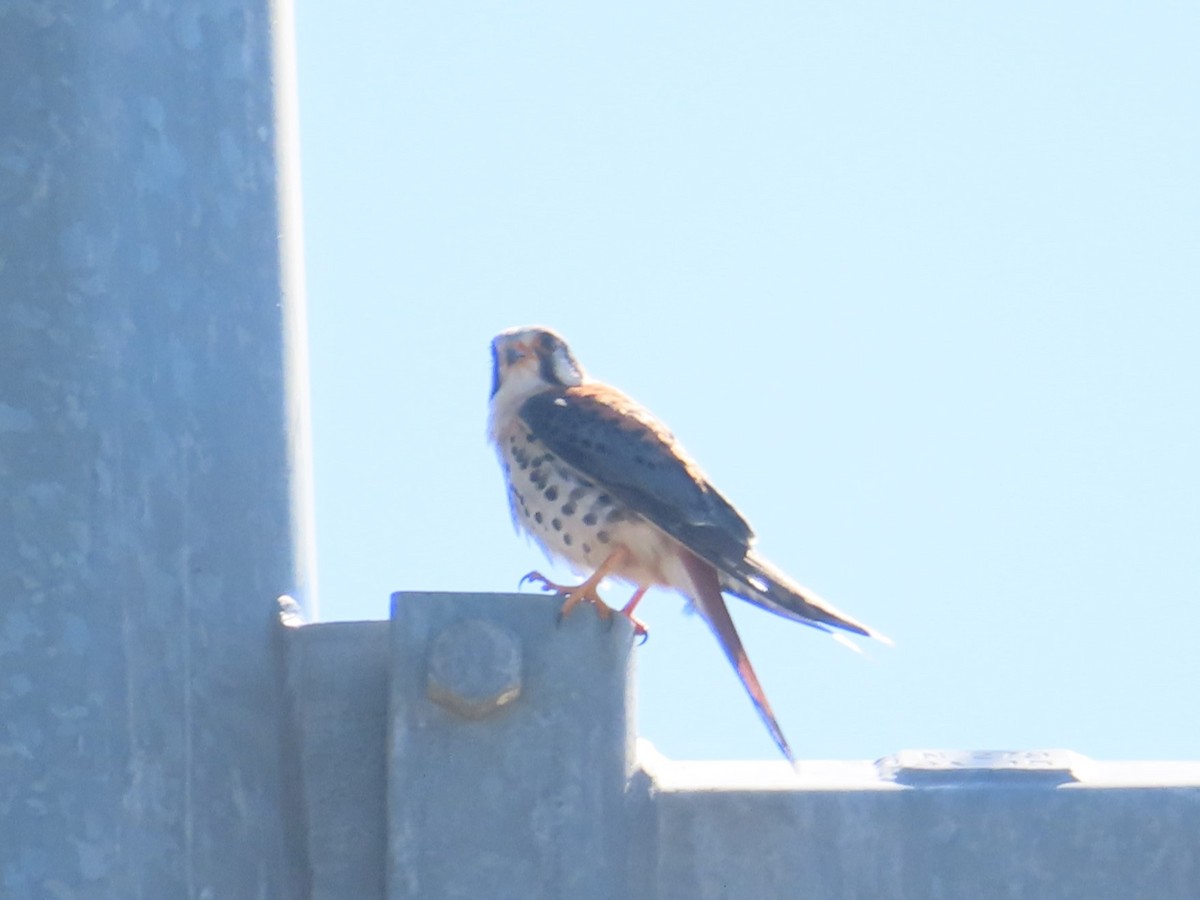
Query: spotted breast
[(568, 515)]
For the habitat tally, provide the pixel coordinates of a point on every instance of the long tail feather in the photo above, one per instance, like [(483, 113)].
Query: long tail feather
[(707, 597), (757, 581)]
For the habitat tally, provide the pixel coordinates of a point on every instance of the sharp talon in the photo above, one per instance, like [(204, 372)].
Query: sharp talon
[(530, 577), (543, 582), (641, 634)]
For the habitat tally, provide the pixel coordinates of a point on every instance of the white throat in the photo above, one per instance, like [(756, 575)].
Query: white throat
[(517, 386)]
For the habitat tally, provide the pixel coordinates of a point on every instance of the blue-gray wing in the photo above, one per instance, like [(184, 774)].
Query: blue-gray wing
[(612, 441), (618, 445)]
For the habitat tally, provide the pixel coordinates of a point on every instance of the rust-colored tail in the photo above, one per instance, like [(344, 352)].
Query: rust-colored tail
[(707, 597)]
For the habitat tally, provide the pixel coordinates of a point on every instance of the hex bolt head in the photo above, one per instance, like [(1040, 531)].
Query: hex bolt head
[(474, 668)]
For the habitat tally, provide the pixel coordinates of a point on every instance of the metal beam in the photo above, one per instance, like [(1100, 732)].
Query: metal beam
[(511, 772)]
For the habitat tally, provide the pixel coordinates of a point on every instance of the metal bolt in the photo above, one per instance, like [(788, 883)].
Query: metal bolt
[(474, 668)]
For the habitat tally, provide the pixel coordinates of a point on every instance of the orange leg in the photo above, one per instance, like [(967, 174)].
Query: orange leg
[(586, 592), (639, 628)]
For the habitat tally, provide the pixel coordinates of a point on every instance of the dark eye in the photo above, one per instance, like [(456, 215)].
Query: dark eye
[(547, 342)]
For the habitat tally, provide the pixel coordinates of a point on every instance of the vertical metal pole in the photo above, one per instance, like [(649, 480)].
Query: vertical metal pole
[(153, 447)]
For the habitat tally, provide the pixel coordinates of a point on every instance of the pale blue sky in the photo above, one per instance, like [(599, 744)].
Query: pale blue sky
[(918, 284)]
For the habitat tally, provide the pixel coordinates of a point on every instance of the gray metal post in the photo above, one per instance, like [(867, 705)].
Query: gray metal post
[(510, 750), (153, 471), (339, 673)]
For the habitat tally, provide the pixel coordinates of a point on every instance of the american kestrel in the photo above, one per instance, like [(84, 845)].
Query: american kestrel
[(600, 483)]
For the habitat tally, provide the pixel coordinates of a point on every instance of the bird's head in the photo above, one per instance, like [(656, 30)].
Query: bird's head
[(528, 360)]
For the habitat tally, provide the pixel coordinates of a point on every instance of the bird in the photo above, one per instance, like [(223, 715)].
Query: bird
[(603, 485)]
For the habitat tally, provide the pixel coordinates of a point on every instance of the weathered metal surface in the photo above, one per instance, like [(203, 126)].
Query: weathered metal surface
[(152, 470)]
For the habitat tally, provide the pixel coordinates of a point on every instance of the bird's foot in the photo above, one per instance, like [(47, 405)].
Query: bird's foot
[(639, 627), (572, 595), (586, 592), (640, 631)]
